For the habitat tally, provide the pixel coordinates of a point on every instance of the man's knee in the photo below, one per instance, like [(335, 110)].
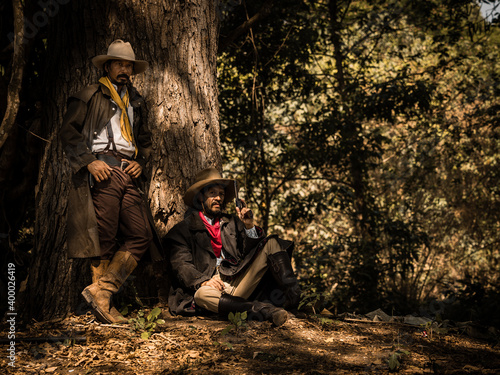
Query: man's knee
[(272, 246), (208, 298), (206, 292)]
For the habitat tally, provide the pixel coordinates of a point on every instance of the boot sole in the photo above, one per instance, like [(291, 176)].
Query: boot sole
[(100, 315)]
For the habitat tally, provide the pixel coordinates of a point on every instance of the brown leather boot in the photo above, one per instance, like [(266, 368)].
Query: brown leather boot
[(99, 293), (256, 310), (98, 268), (281, 268)]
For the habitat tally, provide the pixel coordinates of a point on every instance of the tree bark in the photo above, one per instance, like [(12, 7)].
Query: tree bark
[(18, 62), (179, 40)]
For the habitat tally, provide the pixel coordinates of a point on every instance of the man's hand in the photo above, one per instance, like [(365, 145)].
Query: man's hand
[(214, 282), (99, 170), (133, 169), (245, 215)]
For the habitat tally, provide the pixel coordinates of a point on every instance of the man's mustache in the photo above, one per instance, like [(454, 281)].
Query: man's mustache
[(123, 75)]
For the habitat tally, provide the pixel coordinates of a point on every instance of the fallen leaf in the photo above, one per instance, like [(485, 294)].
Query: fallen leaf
[(255, 354)]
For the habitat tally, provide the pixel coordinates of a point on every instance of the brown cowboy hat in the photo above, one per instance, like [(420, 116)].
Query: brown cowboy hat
[(209, 176), (120, 50)]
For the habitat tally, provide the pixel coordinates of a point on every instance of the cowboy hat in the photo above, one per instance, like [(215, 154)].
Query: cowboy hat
[(120, 50), (209, 176)]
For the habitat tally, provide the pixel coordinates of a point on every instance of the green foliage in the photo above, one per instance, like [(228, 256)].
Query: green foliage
[(224, 345), (146, 324), (368, 132), (125, 309), (238, 322), (395, 357), (313, 297)]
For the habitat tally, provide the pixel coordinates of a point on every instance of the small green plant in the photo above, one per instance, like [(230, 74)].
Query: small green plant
[(431, 327), (238, 321), (223, 345), (125, 309), (312, 299), (394, 359), (326, 322), (146, 325)]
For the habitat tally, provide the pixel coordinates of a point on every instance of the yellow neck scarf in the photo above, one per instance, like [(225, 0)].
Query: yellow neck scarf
[(125, 127)]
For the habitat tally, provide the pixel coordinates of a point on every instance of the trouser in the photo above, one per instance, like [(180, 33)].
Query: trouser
[(120, 210), (242, 285)]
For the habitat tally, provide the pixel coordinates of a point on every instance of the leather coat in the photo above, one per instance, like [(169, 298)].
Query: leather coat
[(193, 261), (89, 110)]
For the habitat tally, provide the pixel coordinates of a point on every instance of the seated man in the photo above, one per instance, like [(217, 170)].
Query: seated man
[(219, 259)]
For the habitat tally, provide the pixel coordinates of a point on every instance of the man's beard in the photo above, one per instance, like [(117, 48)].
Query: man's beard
[(209, 212)]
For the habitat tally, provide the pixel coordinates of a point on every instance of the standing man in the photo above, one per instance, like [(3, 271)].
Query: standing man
[(219, 259), (107, 145)]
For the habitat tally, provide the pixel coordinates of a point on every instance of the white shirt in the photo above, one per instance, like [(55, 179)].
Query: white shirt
[(122, 145)]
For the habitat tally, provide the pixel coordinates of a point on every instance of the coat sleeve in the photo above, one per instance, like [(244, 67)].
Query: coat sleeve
[(181, 260), (249, 243), (73, 142)]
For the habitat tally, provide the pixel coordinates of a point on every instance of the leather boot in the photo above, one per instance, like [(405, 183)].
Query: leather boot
[(99, 293), (281, 268), (256, 310), (98, 268)]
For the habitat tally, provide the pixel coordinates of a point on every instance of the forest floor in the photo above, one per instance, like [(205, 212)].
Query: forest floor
[(311, 344)]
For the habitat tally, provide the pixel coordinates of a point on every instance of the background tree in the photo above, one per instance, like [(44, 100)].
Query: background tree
[(179, 39)]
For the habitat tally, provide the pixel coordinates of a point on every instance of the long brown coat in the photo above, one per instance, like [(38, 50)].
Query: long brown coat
[(193, 261), (88, 112)]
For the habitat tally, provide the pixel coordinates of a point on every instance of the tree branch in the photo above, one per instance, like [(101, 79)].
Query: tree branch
[(18, 63), (245, 26)]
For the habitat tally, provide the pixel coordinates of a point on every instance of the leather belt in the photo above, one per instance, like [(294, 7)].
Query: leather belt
[(111, 159)]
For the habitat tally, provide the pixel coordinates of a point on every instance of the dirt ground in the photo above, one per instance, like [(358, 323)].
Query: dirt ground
[(303, 345)]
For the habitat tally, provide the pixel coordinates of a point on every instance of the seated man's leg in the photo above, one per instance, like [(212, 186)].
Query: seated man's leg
[(208, 298), (244, 285), (234, 297), (281, 268), (256, 310)]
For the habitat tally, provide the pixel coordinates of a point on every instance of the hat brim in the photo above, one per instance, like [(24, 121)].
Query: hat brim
[(192, 192), (140, 66)]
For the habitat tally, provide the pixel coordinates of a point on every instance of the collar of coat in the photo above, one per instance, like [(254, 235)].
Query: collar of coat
[(136, 100), (195, 223)]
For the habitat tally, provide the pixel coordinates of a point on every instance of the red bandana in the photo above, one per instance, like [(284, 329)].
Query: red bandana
[(214, 231)]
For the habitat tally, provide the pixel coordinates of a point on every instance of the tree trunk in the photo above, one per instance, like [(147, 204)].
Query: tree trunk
[(18, 62), (365, 277), (179, 40)]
